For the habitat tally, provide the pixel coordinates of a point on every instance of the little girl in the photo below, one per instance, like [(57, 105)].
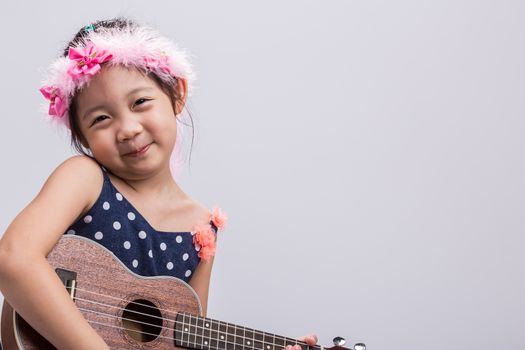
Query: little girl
[(120, 88)]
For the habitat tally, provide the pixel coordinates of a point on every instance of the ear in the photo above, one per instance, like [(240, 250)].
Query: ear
[(182, 92)]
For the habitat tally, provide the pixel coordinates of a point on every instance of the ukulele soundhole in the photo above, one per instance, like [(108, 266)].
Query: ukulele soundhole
[(142, 320)]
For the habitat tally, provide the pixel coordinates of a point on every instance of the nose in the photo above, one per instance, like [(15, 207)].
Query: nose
[(129, 128)]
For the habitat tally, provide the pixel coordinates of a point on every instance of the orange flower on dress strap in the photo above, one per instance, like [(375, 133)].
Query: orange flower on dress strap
[(204, 240), (219, 218)]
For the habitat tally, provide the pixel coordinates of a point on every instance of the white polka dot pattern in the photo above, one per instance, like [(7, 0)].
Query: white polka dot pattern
[(115, 224)]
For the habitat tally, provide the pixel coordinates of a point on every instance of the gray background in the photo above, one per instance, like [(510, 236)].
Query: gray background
[(369, 154)]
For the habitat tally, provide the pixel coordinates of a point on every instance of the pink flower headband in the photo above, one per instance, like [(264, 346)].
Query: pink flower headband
[(140, 47)]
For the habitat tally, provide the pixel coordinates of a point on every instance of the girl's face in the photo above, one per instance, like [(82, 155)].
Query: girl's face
[(128, 122)]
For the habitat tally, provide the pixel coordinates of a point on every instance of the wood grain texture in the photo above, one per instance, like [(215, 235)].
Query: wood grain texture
[(104, 288)]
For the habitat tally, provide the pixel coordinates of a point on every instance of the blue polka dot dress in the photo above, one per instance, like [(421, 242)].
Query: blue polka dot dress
[(114, 223)]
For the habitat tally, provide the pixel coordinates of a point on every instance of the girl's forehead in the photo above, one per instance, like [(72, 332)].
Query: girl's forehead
[(113, 77), (115, 82)]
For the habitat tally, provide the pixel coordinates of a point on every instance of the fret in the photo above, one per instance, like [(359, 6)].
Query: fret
[(221, 331), (214, 334), (289, 341), (180, 326), (230, 336), (186, 330), (278, 343), (202, 335), (248, 338), (269, 341), (191, 330), (196, 332), (258, 340), (197, 340), (239, 337)]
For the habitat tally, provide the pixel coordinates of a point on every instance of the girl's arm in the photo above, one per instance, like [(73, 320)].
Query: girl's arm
[(27, 281), (200, 282)]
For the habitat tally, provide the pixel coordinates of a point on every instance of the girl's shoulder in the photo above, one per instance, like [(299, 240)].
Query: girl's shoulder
[(60, 202), (183, 215), (79, 168), (81, 175), (197, 212)]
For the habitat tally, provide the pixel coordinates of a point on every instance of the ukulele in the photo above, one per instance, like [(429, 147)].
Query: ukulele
[(135, 312)]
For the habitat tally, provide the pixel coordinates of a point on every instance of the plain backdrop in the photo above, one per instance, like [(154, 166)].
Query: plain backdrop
[(369, 155)]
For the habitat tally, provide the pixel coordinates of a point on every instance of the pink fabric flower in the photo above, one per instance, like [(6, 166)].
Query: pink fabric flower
[(207, 252), (88, 60), (204, 238), (219, 218), (57, 105), (158, 64)]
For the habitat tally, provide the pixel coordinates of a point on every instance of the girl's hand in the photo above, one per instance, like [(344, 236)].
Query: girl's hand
[(308, 339)]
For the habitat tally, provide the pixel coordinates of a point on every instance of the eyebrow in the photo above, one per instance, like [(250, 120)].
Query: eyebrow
[(100, 106)]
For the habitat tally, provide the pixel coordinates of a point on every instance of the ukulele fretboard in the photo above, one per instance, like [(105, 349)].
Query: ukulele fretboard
[(196, 332)]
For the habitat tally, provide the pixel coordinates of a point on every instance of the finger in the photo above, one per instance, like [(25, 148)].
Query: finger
[(309, 339)]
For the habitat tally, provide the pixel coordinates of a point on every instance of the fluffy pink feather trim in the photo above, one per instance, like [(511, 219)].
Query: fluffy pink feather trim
[(141, 47)]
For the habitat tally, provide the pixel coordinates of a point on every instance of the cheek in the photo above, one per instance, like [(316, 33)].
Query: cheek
[(169, 129), (99, 141), (166, 118)]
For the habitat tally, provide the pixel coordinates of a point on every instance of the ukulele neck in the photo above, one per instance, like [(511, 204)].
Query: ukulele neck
[(196, 332)]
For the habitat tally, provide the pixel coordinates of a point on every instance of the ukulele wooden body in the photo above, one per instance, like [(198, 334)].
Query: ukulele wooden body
[(108, 294), (134, 312)]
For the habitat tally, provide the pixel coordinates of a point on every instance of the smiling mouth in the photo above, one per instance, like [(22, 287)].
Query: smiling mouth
[(139, 152)]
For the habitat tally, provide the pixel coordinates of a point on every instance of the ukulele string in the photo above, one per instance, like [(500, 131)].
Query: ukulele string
[(156, 335), (126, 329), (121, 308), (141, 313), (196, 344), (196, 326), (120, 299), (289, 341), (165, 310), (122, 318), (110, 316)]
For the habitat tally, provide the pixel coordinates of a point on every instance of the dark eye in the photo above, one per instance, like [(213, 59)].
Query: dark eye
[(99, 119), (140, 101)]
